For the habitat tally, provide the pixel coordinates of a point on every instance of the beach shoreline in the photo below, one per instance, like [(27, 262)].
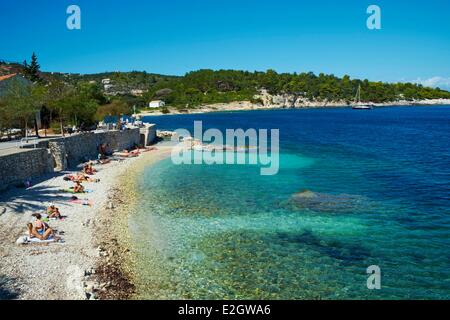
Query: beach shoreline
[(80, 267), (116, 268), (249, 106)]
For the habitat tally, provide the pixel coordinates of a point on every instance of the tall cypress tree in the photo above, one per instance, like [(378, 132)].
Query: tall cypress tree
[(32, 73), (32, 70)]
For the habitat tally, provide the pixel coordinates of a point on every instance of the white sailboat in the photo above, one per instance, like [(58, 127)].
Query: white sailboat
[(358, 104)]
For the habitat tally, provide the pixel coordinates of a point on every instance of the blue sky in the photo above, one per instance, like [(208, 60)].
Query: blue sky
[(176, 36)]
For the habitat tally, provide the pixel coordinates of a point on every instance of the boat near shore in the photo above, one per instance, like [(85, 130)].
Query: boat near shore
[(358, 105)]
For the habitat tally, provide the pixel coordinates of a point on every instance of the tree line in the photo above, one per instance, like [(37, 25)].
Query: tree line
[(76, 99), (59, 102), (208, 86)]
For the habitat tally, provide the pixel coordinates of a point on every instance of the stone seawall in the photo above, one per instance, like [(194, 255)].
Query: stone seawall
[(17, 167), (61, 154), (70, 151)]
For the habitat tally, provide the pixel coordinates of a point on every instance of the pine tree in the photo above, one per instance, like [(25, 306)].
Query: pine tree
[(32, 70)]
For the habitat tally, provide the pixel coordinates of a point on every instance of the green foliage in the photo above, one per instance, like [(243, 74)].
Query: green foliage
[(20, 102), (116, 108), (204, 87), (79, 99), (74, 104), (224, 86), (123, 81), (56, 127)]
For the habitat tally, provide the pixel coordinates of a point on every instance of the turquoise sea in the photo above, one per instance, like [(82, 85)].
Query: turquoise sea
[(381, 186)]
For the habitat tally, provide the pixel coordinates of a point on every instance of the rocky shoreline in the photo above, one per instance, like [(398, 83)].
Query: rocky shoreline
[(285, 102)]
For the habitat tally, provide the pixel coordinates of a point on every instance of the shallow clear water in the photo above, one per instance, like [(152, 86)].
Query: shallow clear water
[(383, 183)]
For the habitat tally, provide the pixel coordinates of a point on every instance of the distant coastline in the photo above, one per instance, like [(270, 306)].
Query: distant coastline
[(248, 106)]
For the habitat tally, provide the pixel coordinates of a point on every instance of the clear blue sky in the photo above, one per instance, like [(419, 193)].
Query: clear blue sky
[(176, 36)]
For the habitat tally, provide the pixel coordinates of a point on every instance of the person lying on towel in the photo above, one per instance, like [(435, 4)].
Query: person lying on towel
[(80, 177)]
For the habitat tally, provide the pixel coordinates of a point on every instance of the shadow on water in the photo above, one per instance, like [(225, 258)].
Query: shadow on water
[(6, 293)]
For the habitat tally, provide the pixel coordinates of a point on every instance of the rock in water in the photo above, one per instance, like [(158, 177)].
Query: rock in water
[(327, 203), (305, 194)]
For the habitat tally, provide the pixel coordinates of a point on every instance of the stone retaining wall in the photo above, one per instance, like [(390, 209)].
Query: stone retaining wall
[(17, 167), (62, 153), (73, 150)]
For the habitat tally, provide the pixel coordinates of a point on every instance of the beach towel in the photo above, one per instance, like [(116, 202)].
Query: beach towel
[(83, 202), (27, 239), (36, 240)]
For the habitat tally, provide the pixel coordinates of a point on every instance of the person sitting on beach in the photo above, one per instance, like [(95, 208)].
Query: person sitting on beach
[(89, 169), (86, 169), (39, 229), (78, 188), (53, 212), (102, 151)]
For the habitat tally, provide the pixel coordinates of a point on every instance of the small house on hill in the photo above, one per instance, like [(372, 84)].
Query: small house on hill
[(156, 104)]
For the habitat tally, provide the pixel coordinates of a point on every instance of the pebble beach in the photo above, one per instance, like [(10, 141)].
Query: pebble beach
[(93, 260)]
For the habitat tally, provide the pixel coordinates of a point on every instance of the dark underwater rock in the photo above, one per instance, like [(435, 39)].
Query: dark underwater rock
[(324, 202)]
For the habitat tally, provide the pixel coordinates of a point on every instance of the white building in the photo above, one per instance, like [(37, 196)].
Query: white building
[(156, 104), (106, 81)]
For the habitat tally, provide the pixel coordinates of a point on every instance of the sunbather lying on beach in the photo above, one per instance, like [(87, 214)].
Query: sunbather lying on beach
[(78, 188), (84, 202), (80, 177), (126, 154), (53, 212), (39, 229)]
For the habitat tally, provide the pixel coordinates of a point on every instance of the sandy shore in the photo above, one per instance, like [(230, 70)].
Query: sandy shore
[(85, 265)]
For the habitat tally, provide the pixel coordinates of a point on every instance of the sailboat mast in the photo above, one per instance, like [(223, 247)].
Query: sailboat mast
[(358, 94)]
